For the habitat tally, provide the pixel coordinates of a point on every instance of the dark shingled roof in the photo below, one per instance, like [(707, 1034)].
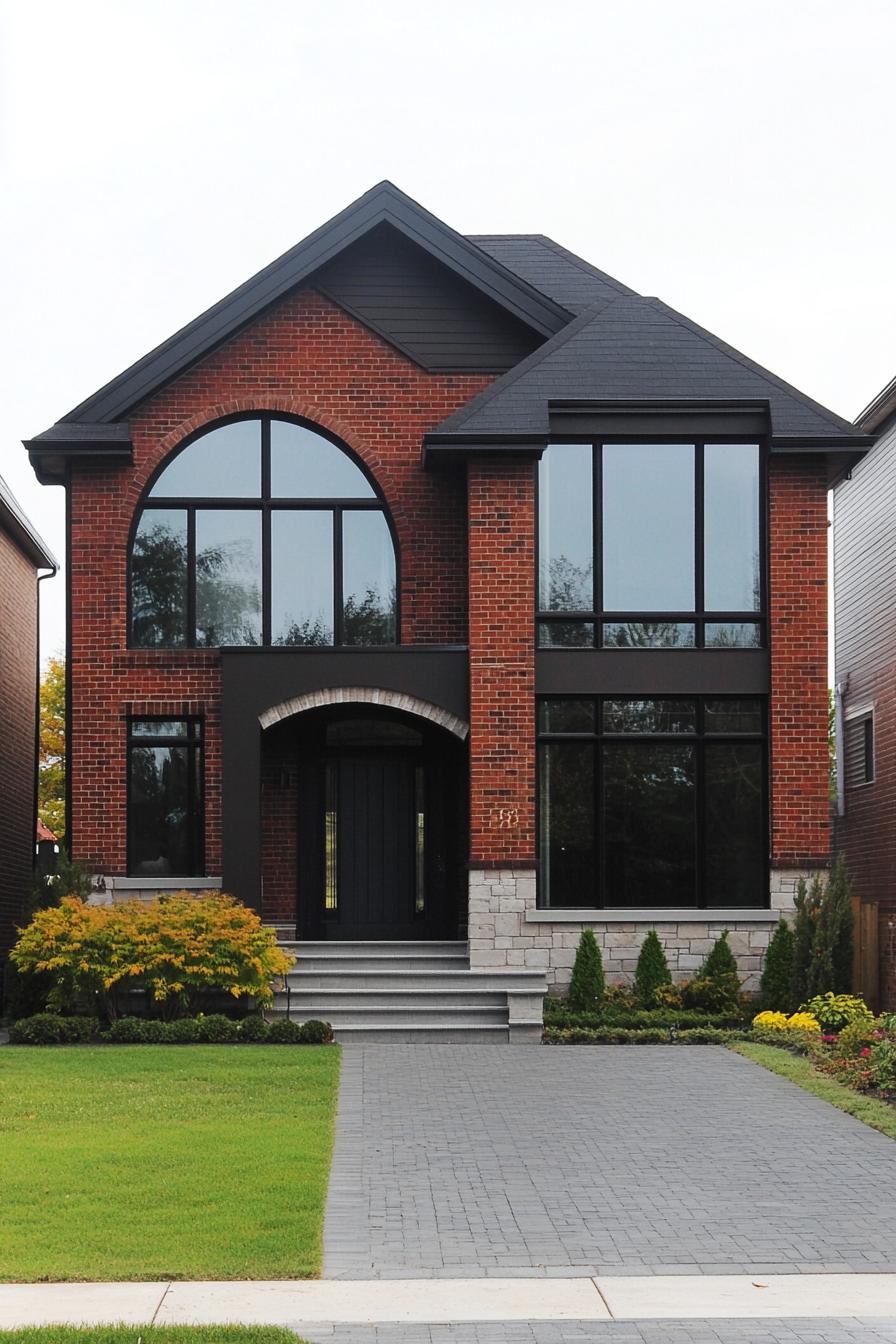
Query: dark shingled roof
[(558, 273), (635, 348)]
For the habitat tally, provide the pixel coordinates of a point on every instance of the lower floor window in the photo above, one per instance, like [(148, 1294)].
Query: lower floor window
[(652, 802), (165, 798)]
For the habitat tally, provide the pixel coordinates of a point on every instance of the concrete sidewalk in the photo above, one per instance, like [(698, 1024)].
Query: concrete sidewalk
[(314, 1303)]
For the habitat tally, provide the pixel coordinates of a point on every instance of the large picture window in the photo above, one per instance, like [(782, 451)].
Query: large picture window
[(262, 531), (650, 545), (652, 803), (165, 798)]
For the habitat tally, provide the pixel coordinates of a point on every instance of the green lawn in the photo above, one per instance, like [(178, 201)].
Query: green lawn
[(150, 1334), (164, 1162), (878, 1114)]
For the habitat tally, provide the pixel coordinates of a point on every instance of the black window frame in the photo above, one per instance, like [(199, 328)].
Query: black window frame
[(194, 741), (700, 617), (700, 738), (264, 504)]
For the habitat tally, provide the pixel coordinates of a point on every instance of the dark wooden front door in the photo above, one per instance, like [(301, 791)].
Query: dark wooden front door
[(378, 825), (374, 807)]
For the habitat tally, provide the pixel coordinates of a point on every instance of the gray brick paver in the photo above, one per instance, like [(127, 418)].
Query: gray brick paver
[(848, 1331), (463, 1158)]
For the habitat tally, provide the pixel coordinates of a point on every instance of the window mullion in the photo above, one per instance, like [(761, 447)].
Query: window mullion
[(338, 614), (597, 595), (699, 543), (191, 576)]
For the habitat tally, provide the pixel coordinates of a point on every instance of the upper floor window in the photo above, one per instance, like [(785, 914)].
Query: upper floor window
[(650, 545), (262, 531)]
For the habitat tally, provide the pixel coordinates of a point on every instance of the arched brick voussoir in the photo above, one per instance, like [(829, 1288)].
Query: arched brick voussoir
[(366, 695)]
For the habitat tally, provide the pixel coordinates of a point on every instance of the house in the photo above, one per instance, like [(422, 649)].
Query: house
[(865, 677), (22, 556), (445, 594)]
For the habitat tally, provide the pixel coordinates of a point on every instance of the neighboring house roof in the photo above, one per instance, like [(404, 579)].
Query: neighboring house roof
[(879, 410), (44, 832), (14, 522), (562, 275), (630, 347)]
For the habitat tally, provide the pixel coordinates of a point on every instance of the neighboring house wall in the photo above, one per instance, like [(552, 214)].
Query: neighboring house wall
[(18, 663), (865, 652), (305, 357)]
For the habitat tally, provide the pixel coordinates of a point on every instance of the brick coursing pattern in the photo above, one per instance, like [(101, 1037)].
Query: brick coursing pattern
[(799, 641), (18, 669), (305, 357), (501, 502)]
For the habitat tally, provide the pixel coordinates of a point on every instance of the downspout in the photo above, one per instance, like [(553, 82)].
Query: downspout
[(53, 571), (840, 691)]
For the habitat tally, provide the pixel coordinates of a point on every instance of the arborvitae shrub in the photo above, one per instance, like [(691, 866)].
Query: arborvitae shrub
[(806, 905), (774, 986), (652, 970), (721, 962), (587, 986), (830, 963)]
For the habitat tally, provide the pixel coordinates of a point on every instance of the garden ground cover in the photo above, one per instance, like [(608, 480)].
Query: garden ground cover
[(164, 1162)]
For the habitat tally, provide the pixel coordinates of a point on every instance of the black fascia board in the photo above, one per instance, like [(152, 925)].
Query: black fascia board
[(660, 416), (441, 450), (382, 204), (88, 444)]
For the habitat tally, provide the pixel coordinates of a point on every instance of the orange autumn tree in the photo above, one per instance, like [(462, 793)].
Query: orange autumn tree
[(179, 948)]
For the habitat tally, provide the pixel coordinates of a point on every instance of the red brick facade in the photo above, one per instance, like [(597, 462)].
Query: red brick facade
[(18, 669), (306, 357), (799, 703), (502, 663)]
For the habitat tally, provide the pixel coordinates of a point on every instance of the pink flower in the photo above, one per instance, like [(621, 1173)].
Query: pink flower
[(866, 1052)]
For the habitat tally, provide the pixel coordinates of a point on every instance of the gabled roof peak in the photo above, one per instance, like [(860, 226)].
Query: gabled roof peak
[(384, 203)]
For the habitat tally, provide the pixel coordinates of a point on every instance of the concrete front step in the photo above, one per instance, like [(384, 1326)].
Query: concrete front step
[(339, 999), (434, 1014), (311, 964), (400, 947), (408, 991)]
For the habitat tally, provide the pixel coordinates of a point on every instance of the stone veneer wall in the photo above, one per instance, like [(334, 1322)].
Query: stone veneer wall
[(502, 934)]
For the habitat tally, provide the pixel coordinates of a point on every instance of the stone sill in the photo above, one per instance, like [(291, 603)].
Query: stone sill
[(162, 883), (642, 916)]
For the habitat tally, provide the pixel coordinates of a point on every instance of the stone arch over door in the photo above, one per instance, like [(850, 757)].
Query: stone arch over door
[(366, 695)]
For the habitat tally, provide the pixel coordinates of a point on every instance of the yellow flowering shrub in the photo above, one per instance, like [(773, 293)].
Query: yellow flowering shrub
[(178, 947), (802, 1022), (771, 1021)]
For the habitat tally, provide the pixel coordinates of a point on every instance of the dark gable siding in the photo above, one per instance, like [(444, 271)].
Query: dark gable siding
[(439, 320)]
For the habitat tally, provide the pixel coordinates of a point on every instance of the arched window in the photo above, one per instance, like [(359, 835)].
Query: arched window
[(262, 531)]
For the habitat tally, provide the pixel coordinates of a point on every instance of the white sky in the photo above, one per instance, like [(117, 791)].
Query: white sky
[(734, 158)]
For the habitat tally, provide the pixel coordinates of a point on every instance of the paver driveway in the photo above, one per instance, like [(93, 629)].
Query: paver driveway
[(616, 1332), (465, 1160)]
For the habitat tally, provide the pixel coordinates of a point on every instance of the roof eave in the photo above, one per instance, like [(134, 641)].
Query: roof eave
[(878, 411), (16, 524), (90, 445)]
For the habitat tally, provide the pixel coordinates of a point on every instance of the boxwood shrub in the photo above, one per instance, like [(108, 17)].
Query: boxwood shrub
[(53, 1029)]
